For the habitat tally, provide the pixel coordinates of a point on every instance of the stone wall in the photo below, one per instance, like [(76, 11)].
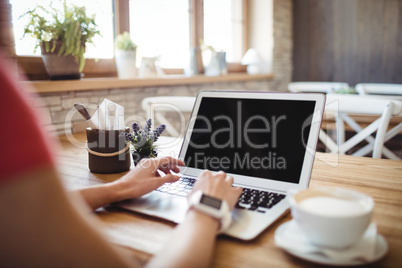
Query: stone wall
[(283, 44), (56, 107)]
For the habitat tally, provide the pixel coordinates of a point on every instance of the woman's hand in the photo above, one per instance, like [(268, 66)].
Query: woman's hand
[(218, 185), (193, 242), (145, 177)]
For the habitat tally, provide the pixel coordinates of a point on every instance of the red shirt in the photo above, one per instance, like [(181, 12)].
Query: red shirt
[(23, 144)]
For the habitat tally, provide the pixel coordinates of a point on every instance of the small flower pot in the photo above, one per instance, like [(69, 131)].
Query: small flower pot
[(125, 64)]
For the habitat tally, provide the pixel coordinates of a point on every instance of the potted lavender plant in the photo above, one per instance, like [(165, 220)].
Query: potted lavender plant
[(142, 141)]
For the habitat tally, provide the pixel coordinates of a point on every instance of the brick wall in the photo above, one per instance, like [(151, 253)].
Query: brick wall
[(283, 44), (59, 114), (56, 107)]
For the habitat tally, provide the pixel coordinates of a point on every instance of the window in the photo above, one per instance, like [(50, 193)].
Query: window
[(103, 47), (223, 27), (159, 27)]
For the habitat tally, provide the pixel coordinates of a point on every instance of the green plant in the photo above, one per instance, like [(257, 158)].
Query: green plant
[(124, 42), (71, 25), (142, 140), (205, 47)]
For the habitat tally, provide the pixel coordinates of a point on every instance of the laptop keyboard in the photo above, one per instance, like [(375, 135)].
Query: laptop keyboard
[(181, 187), (250, 199), (253, 199)]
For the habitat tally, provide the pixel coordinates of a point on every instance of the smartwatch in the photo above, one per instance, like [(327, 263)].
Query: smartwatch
[(211, 206)]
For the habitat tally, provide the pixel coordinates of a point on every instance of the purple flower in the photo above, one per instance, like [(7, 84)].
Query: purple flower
[(136, 128), (143, 139), (147, 127), (128, 136), (158, 131)]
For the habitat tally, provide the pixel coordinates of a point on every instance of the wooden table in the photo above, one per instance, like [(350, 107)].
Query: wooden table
[(379, 178)]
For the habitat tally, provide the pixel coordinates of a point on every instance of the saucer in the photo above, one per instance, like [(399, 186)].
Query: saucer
[(289, 237)]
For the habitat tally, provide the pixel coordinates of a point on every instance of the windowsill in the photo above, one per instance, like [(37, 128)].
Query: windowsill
[(114, 82)]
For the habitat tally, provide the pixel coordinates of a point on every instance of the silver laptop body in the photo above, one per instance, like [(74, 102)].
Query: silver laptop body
[(265, 141)]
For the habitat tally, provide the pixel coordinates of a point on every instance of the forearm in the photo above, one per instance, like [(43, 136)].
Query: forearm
[(101, 195), (134, 184), (191, 244)]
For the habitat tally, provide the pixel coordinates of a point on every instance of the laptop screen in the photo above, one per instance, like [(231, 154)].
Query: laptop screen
[(252, 137)]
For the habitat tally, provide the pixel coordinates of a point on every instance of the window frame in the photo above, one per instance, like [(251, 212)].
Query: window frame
[(35, 70)]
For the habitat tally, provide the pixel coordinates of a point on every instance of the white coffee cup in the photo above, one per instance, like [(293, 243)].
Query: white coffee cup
[(331, 217)]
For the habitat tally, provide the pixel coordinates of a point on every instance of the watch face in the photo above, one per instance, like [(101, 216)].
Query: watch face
[(210, 201)]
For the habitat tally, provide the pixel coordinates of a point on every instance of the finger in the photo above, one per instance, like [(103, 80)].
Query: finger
[(169, 178), (172, 161), (159, 163), (205, 173), (168, 162), (162, 160), (173, 168), (229, 179), (234, 196), (238, 188), (220, 175), (238, 191), (165, 170)]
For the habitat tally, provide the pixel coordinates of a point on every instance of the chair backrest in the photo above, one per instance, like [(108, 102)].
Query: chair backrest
[(342, 105), (379, 89), (357, 104), (156, 106), (324, 87)]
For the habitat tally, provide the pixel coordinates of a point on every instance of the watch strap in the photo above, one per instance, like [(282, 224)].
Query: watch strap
[(225, 219)]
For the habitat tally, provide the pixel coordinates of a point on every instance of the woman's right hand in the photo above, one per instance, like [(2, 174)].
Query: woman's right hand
[(218, 185)]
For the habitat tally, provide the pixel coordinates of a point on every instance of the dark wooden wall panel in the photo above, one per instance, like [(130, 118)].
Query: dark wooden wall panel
[(353, 41)]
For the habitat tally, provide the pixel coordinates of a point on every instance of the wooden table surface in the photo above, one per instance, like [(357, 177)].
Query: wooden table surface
[(379, 178)]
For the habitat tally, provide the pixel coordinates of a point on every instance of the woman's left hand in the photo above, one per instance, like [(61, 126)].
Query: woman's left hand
[(145, 177)]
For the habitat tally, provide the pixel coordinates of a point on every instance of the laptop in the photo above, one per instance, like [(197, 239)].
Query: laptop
[(265, 141)]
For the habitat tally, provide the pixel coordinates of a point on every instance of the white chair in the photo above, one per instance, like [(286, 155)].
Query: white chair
[(323, 87), (327, 88), (342, 105), (156, 106), (379, 89), (383, 91)]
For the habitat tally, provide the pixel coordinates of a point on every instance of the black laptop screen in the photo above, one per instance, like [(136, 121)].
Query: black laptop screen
[(252, 137)]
